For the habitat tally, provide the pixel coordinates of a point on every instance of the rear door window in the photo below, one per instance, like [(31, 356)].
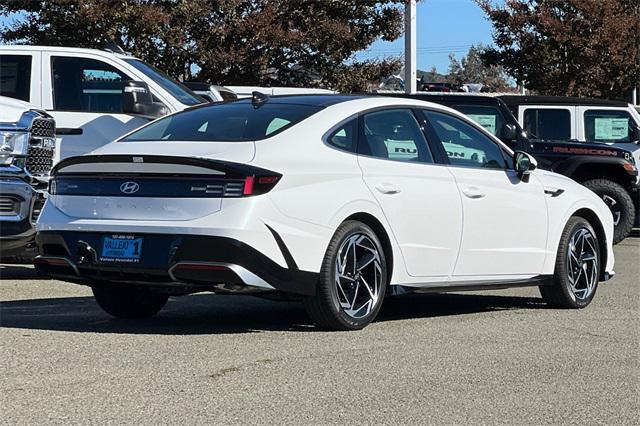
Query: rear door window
[(394, 134), (607, 126), (15, 76), (548, 123)]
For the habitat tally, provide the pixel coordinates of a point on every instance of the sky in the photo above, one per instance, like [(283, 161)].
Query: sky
[(443, 26)]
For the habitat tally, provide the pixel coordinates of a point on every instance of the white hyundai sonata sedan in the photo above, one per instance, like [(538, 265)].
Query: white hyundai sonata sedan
[(337, 200)]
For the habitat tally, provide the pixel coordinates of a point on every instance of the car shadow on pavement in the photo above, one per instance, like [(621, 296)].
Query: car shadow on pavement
[(208, 313), (19, 272)]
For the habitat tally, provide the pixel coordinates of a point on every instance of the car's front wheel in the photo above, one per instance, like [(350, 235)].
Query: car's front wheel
[(577, 271), (129, 302), (353, 280)]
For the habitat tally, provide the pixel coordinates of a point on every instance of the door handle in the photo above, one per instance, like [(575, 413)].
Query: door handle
[(387, 188), (473, 192)]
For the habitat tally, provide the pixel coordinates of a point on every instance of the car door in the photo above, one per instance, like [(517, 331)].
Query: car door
[(419, 199), (84, 96), (505, 219)]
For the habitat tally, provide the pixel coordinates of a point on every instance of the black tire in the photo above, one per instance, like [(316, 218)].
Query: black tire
[(325, 308), (620, 203), (129, 302), (558, 292)]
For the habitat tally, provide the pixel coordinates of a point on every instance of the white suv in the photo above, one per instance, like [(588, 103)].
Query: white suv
[(338, 200)]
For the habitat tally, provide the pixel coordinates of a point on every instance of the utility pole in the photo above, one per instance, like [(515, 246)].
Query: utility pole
[(410, 74), (634, 96)]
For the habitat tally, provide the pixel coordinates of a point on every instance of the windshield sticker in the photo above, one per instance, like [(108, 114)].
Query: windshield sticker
[(486, 121), (611, 128)]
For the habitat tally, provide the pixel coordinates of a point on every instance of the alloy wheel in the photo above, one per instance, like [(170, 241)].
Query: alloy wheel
[(582, 263), (358, 276)]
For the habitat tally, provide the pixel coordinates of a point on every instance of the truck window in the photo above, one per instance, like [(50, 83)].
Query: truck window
[(553, 124), (86, 85), (607, 126), (15, 76)]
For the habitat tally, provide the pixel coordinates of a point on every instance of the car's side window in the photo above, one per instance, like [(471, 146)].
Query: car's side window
[(394, 134), (345, 136), (15, 76), (607, 126), (464, 144), (88, 85), (545, 123)]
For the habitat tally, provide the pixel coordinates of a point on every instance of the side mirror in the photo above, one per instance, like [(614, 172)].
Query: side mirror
[(509, 132), (635, 134), (137, 100), (524, 164)]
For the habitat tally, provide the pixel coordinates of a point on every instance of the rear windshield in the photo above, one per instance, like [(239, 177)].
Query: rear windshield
[(231, 122)]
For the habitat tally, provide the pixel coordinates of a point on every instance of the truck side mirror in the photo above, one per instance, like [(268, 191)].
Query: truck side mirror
[(524, 164), (509, 132), (635, 134), (137, 100)]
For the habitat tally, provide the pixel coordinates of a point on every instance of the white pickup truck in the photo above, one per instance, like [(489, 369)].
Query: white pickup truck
[(27, 142), (95, 96)]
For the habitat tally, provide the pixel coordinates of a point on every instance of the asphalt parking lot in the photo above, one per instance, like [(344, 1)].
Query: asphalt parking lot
[(497, 357)]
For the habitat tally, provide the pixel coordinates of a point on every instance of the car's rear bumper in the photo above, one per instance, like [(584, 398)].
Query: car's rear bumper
[(184, 263)]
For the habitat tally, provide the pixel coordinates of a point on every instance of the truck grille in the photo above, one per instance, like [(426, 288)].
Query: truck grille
[(9, 206), (39, 160), (40, 153), (43, 128)]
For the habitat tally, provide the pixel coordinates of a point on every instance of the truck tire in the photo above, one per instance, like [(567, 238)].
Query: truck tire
[(620, 203), (122, 301)]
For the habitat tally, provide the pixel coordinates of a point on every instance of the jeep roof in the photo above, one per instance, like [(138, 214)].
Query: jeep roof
[(513, 100)]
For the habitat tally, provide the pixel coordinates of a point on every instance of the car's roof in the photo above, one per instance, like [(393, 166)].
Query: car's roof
[(513, 100), (308, 99)]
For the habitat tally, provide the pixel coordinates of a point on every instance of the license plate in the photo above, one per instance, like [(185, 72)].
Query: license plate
[(121, 248)]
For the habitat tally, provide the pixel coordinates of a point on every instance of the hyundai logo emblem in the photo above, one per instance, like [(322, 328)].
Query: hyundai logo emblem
[(129, 188)]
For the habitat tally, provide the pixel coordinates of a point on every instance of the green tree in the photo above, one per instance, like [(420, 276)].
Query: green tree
[(569, 47), (263, 42), (471, 69)]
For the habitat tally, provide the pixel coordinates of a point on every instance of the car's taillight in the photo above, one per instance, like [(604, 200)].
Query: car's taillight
[(256, 185)]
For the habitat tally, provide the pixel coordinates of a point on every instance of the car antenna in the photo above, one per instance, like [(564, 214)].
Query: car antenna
[(258, 99)]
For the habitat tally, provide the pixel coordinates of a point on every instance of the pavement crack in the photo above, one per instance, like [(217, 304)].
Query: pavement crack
[(228, 370)]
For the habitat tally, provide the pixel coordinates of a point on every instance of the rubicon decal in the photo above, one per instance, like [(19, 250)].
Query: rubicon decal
[(585, 151)]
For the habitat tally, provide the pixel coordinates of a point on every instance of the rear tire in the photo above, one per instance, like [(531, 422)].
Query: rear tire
[(352, 282), (619, 202), (577, 269), (129, 302)]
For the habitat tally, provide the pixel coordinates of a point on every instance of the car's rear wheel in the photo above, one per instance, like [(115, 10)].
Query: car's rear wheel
[(577, 269), (129, 302), (353, 280), (619, 202)]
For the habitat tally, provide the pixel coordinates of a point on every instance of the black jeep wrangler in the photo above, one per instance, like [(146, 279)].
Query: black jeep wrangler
[(608, 171)]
